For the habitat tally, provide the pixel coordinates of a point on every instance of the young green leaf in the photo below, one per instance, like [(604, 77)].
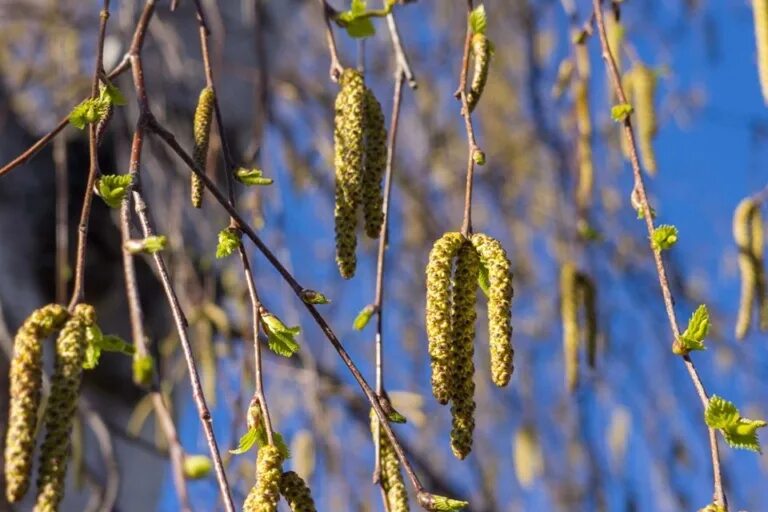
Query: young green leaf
[(664, 237), (197, 466), (246, 442), (150, 245), (112, 94), (693, 336), (363, 317), (478, 21), (112, 188), (720, 413), (440, 503), (96, 342), (258, 436), (314, 297), (229, 240), (280, 338), (744, 434), (87, 112), (251, 177), (143, 368), (620, 112)]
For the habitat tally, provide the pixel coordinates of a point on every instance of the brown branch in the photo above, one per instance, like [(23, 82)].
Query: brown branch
[(403, 63), (639, 190), (328, 15)]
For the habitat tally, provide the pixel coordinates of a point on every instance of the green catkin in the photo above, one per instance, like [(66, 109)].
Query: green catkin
[(742, 234), (62, 404), (570, 323), (438, 313), (587, 295), (26, 377), (202, 135), (391, 477), (463, 318), (644, 92), (481, 50), (760, 13), (349, 141), (296, 493), (375, 163), (265, 495), (494, 258), (757, 247)]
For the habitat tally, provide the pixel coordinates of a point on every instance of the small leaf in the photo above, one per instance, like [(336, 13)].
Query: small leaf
[(363, 317), (246, 442), (744, 434), (96, 342), (693, 336), (620, 112), (92, 356), (664, 237), (440, 503), (360, 28), (478, 157), (720, 413), (87, 112), (483, 279), (314, 297), (258, 436), (197, 466), (143, 368), (112, 188), (251, 177), (280, 338), (149, 245), (111, 93), (229, 240), (478, 21)]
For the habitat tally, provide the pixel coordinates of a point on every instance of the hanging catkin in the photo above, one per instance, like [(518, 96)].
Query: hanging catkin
[(348, 158), (391, 477), (644, 91), (202, 135), (494, 258), (586, 176), (296, 493), (760, 13), (588, 331), (438, 313), (375, 163), (463, 318), (757, 247), (26, 376), (481, 51), (742, 235), (570, 322), (615, 32), (62, 403), (265, 495)]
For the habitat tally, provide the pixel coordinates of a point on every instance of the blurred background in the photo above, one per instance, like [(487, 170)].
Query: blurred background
[(630, 438)]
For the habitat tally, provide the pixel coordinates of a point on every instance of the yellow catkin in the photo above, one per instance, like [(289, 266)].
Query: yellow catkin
[(265, 495), (481, 51), (644, 92), (391, 477), (760, 13), (202, 135), (296, 493), (757, 247), (528, 459), (494, 258), (438, 312), (570, 323), (587, 296), (463, 318), (348, 159), (564, 75), (742, 235), (375, 163), (26, 377), (586, 170), (62, 404)]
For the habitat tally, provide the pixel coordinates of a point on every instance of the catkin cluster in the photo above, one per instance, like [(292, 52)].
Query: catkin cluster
[(452, 275), (360, 152), (481, 52), (640, 89), (577, 289), (391, 477), (26, 376), (265, 495), (760, 13), (202, 135), (749, 238), (296, 493), (62, 403)]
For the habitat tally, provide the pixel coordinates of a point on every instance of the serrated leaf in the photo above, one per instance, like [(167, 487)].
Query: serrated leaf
[(720, 413), (96, 342), (258, 436), (664, 237), (246, 442), (314, 297), (743, 434), (363, 317), (196, 467), (87, 112), (155, 243), (478, 21), (252, 177), (229, 240), (620, 112), (280, 338), (698, 324), (112, 188)]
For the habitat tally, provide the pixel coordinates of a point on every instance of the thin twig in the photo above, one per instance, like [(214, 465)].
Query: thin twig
[(402, 58), (639, 189), (328, 14), (466, 227)]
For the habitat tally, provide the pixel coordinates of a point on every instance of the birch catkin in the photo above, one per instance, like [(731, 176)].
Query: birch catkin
[(481, 51), (494, 258), (742, 235), (570, 323), (202, 135), (438, 313), (757, 247), (296, 493), (60, 412), (375, 163), (587, 296), (760, 13), (644, 92), (391, 477), (26, 374), (265, 495)]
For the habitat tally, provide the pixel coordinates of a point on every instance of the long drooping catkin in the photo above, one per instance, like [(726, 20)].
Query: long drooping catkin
[(202, 134), (348, 159), (587, 295), (391, 477), (438, 312), (742, 235), (62, 403), (644, 91), (265, 495), (586, 175), (760, 13), (481, 51), (296, 493), (463, 318), (757, 247), (375, 163), (494, 258), (26, 376), (570, 322)]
